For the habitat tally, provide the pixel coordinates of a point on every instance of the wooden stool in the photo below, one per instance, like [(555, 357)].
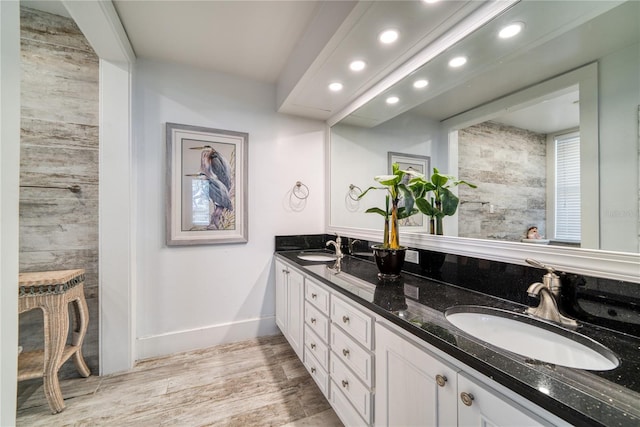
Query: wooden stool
[(52, 291)]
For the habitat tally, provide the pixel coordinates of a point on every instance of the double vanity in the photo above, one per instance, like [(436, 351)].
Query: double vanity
[(420, 351)]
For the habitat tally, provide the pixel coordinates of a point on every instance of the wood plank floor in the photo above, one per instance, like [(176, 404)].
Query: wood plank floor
[(259, 382)]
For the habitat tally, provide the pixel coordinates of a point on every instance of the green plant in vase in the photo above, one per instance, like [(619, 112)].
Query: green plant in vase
[(401, 185), (444, 202)]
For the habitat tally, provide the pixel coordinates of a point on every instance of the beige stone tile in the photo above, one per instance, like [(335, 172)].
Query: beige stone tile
[(326, 418), (234, 384)]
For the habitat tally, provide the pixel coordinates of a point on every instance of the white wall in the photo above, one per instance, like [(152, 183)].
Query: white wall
[(191, 297), (358, 154), (619, 87)]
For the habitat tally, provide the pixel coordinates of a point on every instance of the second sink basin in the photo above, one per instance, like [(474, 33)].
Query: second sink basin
[(316, 256), (529, 337)]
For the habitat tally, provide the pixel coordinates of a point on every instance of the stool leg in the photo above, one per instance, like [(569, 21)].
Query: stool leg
[(81, 322), (56, 327)]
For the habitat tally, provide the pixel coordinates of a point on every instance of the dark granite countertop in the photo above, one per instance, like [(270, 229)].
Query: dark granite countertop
[(417, 304)]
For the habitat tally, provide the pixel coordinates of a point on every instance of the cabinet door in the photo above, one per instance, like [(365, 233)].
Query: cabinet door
[(281, 296), (407, 389), (295, 322), (481, 406)]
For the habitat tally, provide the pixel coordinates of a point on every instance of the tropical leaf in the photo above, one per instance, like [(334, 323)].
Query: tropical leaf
[(378, 211)]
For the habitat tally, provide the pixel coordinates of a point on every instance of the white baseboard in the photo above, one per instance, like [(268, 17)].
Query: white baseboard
[(179, 341)]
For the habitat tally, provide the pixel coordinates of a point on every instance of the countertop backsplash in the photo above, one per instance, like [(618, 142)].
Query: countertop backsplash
[(610, 303)]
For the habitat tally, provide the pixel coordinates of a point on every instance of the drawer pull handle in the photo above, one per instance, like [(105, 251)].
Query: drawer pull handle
[(441, 380), (467, 398), (313, 346), (345, 319), (345, 352), (313, 320), (313, 370), (345, 383), (314, 296)]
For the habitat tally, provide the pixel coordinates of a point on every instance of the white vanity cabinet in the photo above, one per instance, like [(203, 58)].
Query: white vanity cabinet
[(351, 362), (374, 372), (290, 305), (413, 388), (316, 333), (480, 406)]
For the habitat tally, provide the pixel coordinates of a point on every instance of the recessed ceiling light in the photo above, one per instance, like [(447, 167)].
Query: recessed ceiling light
[(431, 1), (419, 84), (388, 36), (511, 30), (335, 87), (357, 65), (458, 61), (392, 100)]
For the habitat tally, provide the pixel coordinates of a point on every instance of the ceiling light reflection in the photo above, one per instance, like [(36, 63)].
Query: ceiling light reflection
[(357, 65), (511, 30), (388, 36), (458, 61)]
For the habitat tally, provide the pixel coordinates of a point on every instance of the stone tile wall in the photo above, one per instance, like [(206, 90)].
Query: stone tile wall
[(509, 167), (58, 147)]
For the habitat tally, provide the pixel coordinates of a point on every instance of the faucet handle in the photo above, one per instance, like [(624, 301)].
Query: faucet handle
[(538, 264), (551, 279)]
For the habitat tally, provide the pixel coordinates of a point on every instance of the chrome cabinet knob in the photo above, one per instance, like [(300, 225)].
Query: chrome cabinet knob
[(345, 352), (441, 380), (313, 346), (345, 383), (345, 319), (313, 370), (313, 320), (467, 398), (314, 296)]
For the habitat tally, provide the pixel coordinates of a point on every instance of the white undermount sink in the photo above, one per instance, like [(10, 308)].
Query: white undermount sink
[(316, 256), (529, 337)]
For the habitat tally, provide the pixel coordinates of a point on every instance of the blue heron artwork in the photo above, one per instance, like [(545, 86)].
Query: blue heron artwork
[(207, 175), (212, 187)]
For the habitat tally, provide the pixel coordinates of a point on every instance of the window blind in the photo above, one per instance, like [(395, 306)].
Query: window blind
[(567, 187)]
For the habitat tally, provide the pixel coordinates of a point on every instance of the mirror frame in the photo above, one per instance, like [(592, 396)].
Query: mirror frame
[(591, 262)]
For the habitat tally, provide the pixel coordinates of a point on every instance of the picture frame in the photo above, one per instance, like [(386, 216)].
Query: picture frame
[(420, 164), (207, 179)]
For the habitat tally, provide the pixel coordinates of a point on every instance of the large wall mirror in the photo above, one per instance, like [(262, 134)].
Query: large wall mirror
[(546, 123)]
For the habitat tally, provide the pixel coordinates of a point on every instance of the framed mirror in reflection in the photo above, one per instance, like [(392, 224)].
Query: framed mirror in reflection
[(546, 123)]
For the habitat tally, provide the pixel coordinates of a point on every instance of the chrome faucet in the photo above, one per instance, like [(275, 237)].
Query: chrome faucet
[(549, 293), (351, 243), (337, 244), (551, 280)]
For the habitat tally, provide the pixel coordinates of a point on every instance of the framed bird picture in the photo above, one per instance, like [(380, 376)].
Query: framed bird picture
[(206, 185)]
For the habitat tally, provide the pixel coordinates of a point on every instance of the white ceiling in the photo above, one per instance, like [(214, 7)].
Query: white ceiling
[(553, 114), (298, 45), (252, 39)]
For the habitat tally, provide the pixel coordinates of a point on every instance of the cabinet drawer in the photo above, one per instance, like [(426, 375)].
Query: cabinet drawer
[(340, 404), (316, 370), (347, 383), (351, 354), (317, 295), (316, 346), (353, 321), (316, 321)]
